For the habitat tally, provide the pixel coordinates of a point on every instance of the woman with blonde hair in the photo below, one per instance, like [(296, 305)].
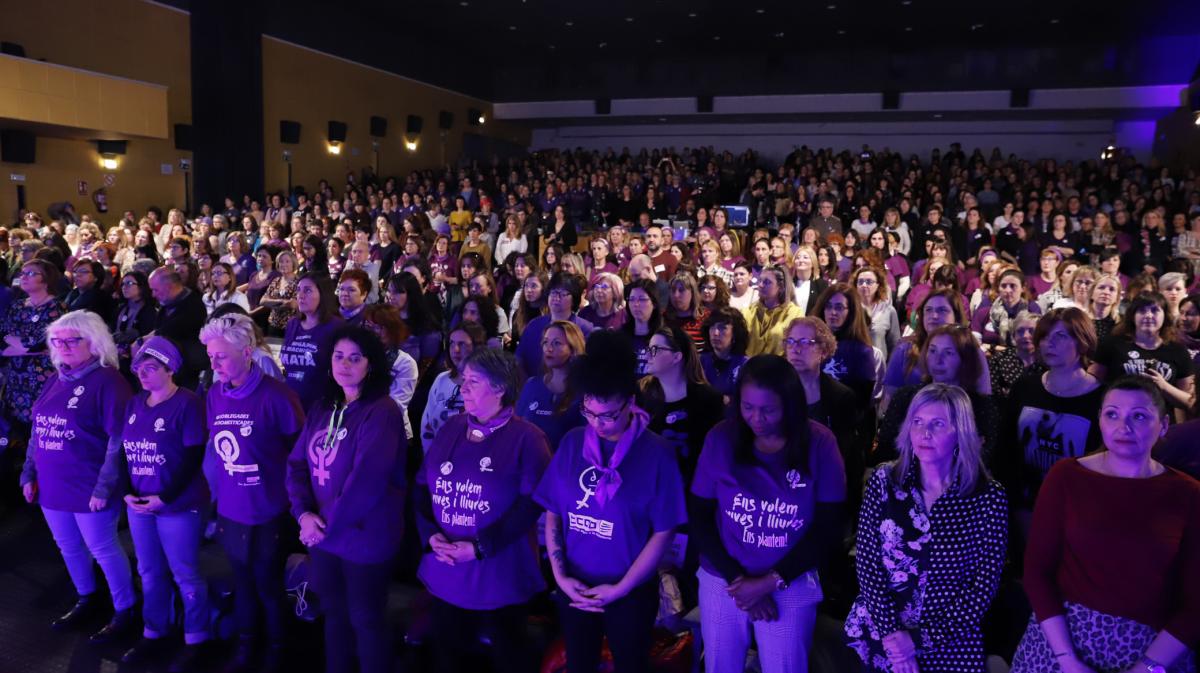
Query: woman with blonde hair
[(1105, 302), (768, 317), (922, 602), (807, 283), (606, 301), (74, 464), (710, 262)]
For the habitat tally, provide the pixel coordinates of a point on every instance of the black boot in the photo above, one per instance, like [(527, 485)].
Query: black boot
[(273, 658), (144, 650), (189, 659), (83, 609), (118, 627), (243, 656)]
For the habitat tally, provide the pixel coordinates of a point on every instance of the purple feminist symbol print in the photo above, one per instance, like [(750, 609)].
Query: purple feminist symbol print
[(587, 481), (322, 453), (226, 446)]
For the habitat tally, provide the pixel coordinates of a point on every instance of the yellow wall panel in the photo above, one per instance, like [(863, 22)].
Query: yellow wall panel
[(60, 82), (33, 76), (10, 74)]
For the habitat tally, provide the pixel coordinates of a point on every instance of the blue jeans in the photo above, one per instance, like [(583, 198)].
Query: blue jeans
[(82, 537), (171, 542), (783, 645)]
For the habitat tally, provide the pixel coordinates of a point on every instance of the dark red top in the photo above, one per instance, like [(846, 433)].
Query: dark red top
[(1124, 547)]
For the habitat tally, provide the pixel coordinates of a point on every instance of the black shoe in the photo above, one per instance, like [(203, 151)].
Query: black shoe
[(118, 627), (243, 657), (144, 650), (188, 659), (83, 609), (273, 658)]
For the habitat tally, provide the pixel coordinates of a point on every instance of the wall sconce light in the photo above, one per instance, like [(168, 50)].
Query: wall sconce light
[(335, 148), (410, 145), (109, 162), (110, 152), (475, 117)]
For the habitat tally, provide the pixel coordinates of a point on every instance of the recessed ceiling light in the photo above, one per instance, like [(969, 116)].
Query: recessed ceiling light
[(658, 40), (778, 34), (603, 45), (760, 10), (906, 3), (716, 37), (830, 6), (691, 15), (629, 19), (1053, 20), (662, 119), (908, 29), (512, 27), (570, 23), (937, 115), (463, 4), (552, 47), (841, 32)]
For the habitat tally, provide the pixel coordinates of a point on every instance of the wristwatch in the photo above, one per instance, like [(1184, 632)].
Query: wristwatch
[(1151, 665)]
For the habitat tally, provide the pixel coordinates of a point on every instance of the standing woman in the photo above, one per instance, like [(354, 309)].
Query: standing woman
[(345, 482), (224, 289), (876, 301), (477, 516), (256, 286), (280, 296), (353, 288), (742, 292), (1008, 365), (385, 322), (854, 362), (1122, 597), (940, 307), (531, 303), (807, 281), (25, 360), (618, 484), (606, 302), (725, 340), (683, 309), (768, 318), (445, 394), (424, 341), (768, 454), (547, 400), (163, 441), (645, 318), (1147, 344), (136, 316), (994, 322), (73, 466), (307, 333), (931, 543), (1106, 299), (253, 422)]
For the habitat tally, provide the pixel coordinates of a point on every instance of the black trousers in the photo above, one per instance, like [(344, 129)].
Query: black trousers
[(628, 624), (354, 601), (256, 555), (454, 628)]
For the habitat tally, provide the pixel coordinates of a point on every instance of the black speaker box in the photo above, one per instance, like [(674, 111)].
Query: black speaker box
[(704, 103), (337, 132), (603, 106), (1019, 98), (379, 127), (445, 120), (17, 147), (111, 146), (12, 49), (414, 124), (891, 100), (289, 132), (183, 137)]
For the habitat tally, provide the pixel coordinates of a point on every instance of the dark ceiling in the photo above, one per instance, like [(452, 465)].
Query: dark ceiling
[(510, 50)]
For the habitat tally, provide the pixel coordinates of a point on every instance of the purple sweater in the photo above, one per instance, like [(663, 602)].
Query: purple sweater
[(356, 482)]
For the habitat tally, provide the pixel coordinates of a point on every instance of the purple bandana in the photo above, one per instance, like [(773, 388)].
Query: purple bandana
[(477, 430), (610, 480)]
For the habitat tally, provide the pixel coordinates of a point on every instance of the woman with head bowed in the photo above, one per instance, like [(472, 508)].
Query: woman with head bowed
[(163, 440), (1110, 564), (73, 466), (547, 400), (931, 544), (613, 496), (768, 317), (445, 394), (477, 517), (253, 421), (766, 510), (345, 482)]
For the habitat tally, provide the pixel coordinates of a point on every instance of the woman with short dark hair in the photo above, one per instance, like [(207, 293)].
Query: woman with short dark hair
[(307, 333), (345, 481), (478, 519), (726, 339)]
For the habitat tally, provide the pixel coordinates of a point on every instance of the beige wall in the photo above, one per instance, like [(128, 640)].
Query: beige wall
[(313, 88), (133, 39)]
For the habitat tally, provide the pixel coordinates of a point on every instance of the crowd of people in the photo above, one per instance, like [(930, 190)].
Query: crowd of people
[(898, 388)]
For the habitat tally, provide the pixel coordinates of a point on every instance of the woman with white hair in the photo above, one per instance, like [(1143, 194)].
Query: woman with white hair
[(73, 466), (932, 534), (1173, 286), (253, 422)]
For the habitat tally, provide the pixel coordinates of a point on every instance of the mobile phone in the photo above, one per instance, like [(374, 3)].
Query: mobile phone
[(140, 501)]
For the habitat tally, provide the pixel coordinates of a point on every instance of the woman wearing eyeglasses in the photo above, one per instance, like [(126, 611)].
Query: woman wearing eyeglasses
[(564, 295), (676, 395), (606, 302), (25, 361), (135, 317), (445, 394), (613, 496), (478, 520), (876, 302), (73, 466)]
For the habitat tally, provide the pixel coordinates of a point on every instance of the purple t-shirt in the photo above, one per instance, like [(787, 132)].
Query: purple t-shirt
[(298, 355), (474, 484), (603, 541), (356, 483), (154, 440), (765, 509), (250, 438), (72, 421)]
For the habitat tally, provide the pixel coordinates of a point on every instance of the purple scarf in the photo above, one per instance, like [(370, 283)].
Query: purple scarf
[(610, 478), (478, 430)]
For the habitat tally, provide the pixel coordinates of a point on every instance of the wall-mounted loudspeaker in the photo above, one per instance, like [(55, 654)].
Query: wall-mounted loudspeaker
[(289, 132), (704, 103), (603, 106), (17, 147), (337, 132), (1019, 98), (379, 127), (891, 100), (111, 146), (445, 120), (414, 124)]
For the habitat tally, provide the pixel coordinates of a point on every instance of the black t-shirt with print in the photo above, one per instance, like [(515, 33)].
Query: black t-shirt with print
[(1121, 356)]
